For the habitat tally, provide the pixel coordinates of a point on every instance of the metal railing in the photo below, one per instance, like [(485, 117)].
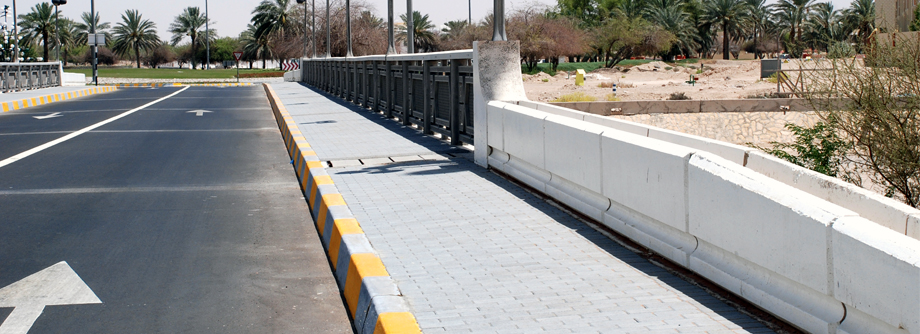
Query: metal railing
[(433, 91), (25, 76)]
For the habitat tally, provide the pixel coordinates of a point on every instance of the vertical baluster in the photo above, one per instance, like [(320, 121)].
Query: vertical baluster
[(455, 102), (426, 98)]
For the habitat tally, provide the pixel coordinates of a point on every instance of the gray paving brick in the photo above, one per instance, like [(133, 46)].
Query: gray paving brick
[(472, 252)]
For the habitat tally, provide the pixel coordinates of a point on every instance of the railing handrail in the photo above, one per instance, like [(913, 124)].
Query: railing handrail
[(442, 55)]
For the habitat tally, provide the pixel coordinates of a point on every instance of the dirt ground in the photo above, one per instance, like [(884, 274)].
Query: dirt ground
[(720, 79)]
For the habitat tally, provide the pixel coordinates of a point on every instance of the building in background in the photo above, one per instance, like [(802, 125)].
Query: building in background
[(894, 15)]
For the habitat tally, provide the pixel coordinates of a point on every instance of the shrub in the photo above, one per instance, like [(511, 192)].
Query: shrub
[(818, 148), (262, 75), (576, 97), (545, 80), (841, 50), (605, 85), (612, 97), (678, 96)]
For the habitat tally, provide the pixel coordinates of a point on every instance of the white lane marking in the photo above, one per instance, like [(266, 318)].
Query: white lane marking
[(199, 112), (56, 285), (45, 146), (57, 114)]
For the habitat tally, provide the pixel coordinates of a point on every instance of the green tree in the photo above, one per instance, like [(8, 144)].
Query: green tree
[(730, 15), (860, 18), (38, 25), (425, 40), (135, 33), (275, 19), (818, 148), (620, 38), (915, 23), (670, 16), (189, 24), (255, 47), (792, 14), (453, 29)]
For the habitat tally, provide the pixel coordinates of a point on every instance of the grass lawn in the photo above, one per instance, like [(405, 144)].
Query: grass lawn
[(588, 67), (150, 73)]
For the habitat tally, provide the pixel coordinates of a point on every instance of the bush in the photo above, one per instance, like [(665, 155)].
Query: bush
[(841, 50), (104, 56), (262, 75), (612, 97), (161, 55), (818, 148), (576, 97), (678, 96), (605, 85), (545, 80)]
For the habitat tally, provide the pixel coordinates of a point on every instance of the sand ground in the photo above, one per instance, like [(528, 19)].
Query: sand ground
[(720, 79)]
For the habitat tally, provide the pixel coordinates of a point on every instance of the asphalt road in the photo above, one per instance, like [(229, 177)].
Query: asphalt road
[(177, 223)]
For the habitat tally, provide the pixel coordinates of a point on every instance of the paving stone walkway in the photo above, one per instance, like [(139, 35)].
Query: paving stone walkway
[(473, 252)]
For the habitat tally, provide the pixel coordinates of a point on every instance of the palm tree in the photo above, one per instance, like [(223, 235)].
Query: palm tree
[(83, 28), (255, 47), (425, 39), (38, 25), (69, 39), (135, 33), (821, 27), (728, 14), (453, 28), (189, 23), (676, 21), (793, 14), (860, 17), (274, 18), (760, 18)]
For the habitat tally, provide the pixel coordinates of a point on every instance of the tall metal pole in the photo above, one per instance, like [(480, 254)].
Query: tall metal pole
[(391, 47), (92, 10), (410, 27), (57, 34), (15, 34), (304, 30), (348, 27), (313, 28), (470, 22), (207, 37), (328, 32), (498, 21)]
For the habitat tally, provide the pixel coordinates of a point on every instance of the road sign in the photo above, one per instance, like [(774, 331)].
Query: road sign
[(95, 39), (290, 66), (56, 285), (238, 55)]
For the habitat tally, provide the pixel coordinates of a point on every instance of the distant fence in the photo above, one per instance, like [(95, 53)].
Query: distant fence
[(25, 76), (433, 91)]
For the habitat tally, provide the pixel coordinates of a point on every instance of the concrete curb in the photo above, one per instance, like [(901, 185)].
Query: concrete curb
[(371, 296), (178, 84), (51, 98)]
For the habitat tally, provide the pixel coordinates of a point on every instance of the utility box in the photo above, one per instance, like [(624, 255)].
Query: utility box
[(770, 66), (580, 77)]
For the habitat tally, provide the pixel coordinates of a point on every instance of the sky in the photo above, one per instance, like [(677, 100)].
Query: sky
[(230, 17)]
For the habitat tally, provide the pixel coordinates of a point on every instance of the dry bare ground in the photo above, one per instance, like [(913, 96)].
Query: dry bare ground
[(721, 79)]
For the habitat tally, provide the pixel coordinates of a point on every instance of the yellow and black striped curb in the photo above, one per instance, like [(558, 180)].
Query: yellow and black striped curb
[(51, 98), (179, 84), (371, 296)]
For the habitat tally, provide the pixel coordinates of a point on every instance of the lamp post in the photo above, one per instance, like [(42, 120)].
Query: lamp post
[(328, 33), (348, 27), (304, 2), (15, 34), (92, 10), (207, 37), (498, 21), (391, 47), (313, 28), (410, 27), (57, 28)]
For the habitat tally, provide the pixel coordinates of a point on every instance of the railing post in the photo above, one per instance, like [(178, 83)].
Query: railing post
[(407, 104), (426, 95), (389, 89), (455, 102)]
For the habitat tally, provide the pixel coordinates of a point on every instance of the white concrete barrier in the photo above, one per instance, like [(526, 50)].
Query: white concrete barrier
[(792, 243), (73, 79)]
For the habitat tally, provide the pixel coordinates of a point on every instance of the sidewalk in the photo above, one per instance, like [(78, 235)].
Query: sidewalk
[(472, 252), (30, 98)]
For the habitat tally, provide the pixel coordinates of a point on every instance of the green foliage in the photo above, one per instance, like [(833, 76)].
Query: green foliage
[(576, 97), (612, 97), (840, 50), (622, 38), (135, 34), (190, 23), (915, 23), (38, 27), (179, 74), (424, 38), (818, 148), (678, 96)]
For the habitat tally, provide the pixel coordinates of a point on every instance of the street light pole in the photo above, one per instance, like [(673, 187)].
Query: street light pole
[(57, 33), (207, 37), (313, 28), (328, 33), (92, 10), (348, 27), (498, 21), (391, 47), (410, 27), (15, 34)]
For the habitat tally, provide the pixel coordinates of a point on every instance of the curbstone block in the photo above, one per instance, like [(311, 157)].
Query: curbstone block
[(389, 314), (351, 244), (373, 287)]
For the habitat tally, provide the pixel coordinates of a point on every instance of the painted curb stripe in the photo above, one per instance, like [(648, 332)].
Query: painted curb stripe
[(47, 99), (371, 296)]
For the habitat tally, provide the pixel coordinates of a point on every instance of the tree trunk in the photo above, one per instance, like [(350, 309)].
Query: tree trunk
[(137, 54), (194, 53), (725, 40), (263, 62), (45, 41)]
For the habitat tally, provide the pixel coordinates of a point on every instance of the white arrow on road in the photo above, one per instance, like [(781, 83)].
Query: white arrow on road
[(56, 285), (199, 112), (57, 114)]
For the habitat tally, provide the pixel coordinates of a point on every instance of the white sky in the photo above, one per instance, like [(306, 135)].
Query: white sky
[(231, 16)]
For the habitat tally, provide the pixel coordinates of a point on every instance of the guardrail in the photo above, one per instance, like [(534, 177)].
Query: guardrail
[(433, 91), (25, 76)]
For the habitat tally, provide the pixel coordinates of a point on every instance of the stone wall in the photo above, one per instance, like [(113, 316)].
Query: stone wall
[(740, 128)]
